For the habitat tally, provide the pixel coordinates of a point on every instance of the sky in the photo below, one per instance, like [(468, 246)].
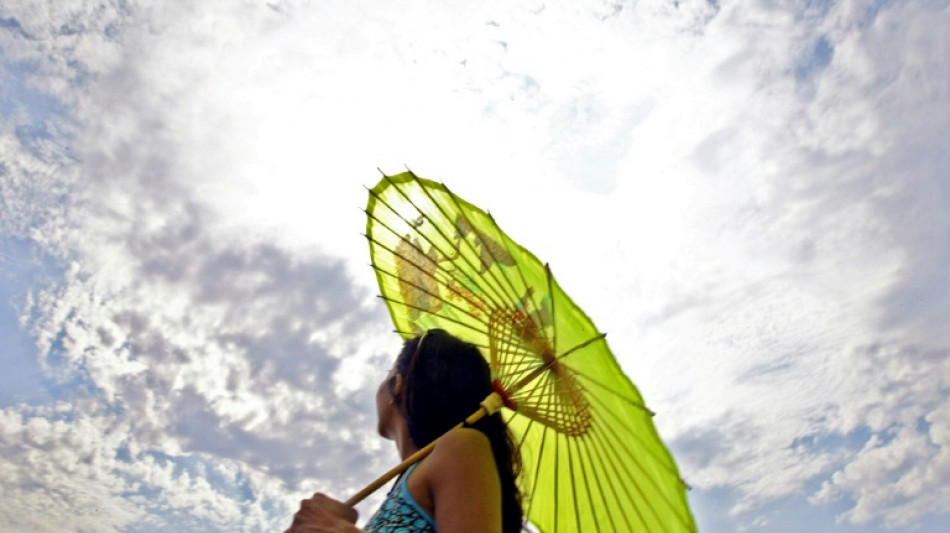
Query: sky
[(749, 197)]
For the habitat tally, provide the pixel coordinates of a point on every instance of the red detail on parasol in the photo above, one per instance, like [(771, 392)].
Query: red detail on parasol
[(505, 398)]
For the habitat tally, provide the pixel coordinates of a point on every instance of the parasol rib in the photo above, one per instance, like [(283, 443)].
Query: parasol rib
[(610, 474), (573, 443), (600, 487), (588, 489), (614, 454), (399, 236), (616, 394), (524, 283), (596, 445), (570, 469), (489, 271), (636, 460), (550, 279), (665, 462), (434, 295), (536, 476), (557, 471), (427, 311), (455, 247), (418, 233)]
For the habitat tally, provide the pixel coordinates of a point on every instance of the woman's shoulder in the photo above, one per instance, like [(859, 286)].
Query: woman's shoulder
[(459, 462), (463, 482), (459, 453), (466, 441)]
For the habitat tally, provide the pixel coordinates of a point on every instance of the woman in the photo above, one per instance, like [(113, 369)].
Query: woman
[(467, 484)]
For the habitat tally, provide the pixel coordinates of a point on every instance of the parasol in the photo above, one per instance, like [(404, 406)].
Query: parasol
[(592, 459)]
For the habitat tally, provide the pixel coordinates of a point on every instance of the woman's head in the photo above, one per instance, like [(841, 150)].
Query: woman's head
[(443, 380), (436, 382)]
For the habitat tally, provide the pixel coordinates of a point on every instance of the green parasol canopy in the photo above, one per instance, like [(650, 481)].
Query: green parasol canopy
[(592, 459)]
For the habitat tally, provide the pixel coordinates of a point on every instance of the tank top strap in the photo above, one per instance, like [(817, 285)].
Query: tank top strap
[(404, 485), (400, 511)]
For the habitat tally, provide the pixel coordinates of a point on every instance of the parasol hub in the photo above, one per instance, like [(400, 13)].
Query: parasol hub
[(505, 397)]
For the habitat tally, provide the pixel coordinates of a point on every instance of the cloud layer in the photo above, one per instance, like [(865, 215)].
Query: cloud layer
[(748, 198)]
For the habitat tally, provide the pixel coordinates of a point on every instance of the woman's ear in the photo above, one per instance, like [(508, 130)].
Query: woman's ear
[(397, 386)]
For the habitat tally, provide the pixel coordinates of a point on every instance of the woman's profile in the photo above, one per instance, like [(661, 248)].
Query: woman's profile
[(468, 482)]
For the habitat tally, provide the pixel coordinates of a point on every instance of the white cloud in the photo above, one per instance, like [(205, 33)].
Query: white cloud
[(900, 473), (62, 466), (776, 305)]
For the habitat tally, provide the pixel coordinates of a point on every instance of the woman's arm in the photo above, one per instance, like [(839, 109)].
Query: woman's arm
[(463, 479)]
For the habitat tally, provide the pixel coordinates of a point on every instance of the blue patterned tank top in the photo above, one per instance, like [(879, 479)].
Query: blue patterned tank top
[(400, 513)]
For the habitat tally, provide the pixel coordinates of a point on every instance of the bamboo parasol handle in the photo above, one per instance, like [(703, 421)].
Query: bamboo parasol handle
[(492, 403)]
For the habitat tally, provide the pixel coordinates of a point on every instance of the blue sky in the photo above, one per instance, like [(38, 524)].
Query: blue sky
[(749, 197)]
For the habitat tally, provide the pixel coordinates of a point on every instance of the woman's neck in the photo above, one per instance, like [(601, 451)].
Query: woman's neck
[(404, 442)]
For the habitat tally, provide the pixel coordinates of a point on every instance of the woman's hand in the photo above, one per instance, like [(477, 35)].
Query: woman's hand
[(322, 514)]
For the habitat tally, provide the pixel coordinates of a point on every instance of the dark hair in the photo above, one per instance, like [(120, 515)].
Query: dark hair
[(446, 379)]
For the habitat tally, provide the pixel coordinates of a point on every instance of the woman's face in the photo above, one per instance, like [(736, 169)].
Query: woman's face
[(385, 406)]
